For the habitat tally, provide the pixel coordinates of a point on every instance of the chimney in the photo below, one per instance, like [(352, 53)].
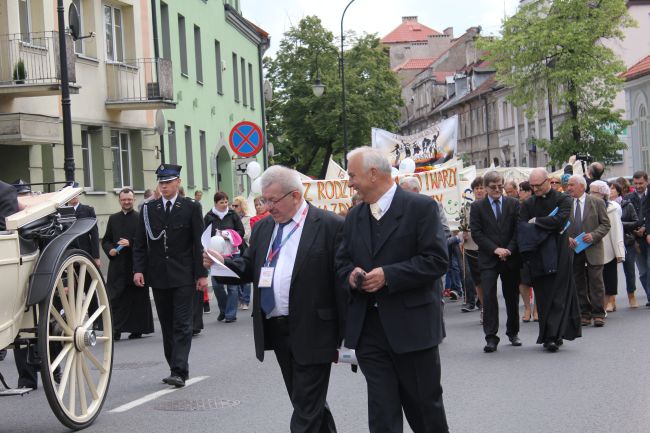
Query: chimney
[(449, 31), (413, 19)]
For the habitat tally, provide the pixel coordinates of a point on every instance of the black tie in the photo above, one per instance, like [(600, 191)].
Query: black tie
[(497, 205), (577, 220), (168, 208)]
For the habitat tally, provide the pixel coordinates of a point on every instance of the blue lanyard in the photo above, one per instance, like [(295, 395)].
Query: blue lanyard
[(276, 251)]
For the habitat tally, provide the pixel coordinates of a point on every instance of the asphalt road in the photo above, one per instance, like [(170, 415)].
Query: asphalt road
[(597, 384)]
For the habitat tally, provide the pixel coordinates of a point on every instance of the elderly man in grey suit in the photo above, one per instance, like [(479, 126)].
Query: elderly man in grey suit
[(588, 216)]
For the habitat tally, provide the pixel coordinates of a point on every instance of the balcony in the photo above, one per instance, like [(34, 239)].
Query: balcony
[(140, 84), (40, 74)]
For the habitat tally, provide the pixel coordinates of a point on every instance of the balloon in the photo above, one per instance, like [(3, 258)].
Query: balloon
[(407, 166), (256, 187), (394, 172), (253, 169)]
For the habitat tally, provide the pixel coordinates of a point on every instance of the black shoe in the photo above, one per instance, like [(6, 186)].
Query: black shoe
[(551, 346), (135, 336), (647, 304), (206, 308), (117, 336), (221, 317), (231, 320), (515, 340), (196, 332), (175, 380), (490, 347), (469, 308), (453, 295), (559, 342), (57, 375)]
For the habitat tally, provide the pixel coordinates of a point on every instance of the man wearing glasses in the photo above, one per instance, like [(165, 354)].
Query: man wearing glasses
[(298, 305), (493, 222), (545, 215)]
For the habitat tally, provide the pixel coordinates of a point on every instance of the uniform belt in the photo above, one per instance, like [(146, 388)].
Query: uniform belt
[(278, 320)]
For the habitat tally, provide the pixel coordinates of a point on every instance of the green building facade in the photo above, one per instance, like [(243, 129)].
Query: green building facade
[(216, 56)]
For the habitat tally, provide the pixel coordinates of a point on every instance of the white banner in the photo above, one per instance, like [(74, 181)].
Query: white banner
[(433, 146)]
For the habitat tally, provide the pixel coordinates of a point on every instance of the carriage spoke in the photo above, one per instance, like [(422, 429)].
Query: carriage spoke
[(89, 379), (61, 321), (61, 338), (66, 375), (59, 358), (82, 388), (88, 300), (103, 339), (94, 317), (71, 295), (64, 301), (94, 360), (81, 282), (72, 393)]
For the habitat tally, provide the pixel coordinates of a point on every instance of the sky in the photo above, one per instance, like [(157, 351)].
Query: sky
[(377, 16)]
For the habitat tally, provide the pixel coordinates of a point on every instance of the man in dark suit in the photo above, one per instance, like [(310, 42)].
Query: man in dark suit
[(392, 255), (588, 216), (638, 199), (90, 241), (298, 304), (167, 256), (493, 223)]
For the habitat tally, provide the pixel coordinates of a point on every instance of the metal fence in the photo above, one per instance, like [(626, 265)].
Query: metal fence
[(33, 59), (139, 80)]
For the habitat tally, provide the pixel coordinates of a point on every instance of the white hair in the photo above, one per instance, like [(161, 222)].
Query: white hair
[(410, 183), (601, 187), (371, 158), (288, 179), (580, 179)]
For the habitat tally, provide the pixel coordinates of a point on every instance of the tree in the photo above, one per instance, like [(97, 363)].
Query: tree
[(306, 130), (554, 49)]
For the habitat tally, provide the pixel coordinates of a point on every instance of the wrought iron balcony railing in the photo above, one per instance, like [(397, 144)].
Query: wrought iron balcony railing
[(140, 84)]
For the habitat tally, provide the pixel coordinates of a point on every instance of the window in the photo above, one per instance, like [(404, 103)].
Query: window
[(121, 150), (87, 158), (643, 138), (173, 152), (243, 81), (188, 155), (78, 44), (114, 34), (182, 43), (250, 85), (25, 20), (204, 160), (217, 56), (164, 19), (197, 54), (235, 76)]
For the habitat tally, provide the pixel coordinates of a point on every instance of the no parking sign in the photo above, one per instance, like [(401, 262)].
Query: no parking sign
[(246, 139)]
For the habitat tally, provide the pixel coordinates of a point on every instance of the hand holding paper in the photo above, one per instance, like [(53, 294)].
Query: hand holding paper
[(214, 259)]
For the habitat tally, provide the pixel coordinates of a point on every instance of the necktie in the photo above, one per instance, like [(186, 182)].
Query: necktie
[(375, 210), (497, 206), (267, 298), (577, 220), (168, 208)]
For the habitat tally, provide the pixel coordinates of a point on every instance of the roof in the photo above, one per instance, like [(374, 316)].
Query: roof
[(458, 99), (440, 76), (637, 70), (416, 63), (410, 31)]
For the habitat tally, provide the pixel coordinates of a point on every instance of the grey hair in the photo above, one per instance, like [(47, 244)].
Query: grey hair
[(491, 177), (410, 182), (580, 179), (288, 179), (371, 158)]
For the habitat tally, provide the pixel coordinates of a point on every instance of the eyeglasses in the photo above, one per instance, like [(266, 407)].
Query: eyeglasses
[(272, 203), (495, 187), (235, 205), (555, 182), (539, 185)]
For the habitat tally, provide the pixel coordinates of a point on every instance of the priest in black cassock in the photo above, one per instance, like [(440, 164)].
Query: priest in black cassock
[(130, 304), (544, 244)]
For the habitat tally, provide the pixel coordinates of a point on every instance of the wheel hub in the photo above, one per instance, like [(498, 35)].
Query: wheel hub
[(84, 338)]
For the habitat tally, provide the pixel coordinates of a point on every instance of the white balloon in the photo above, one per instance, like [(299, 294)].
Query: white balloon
[(407, 166), (256, 187), (394, 172), (253, 169)]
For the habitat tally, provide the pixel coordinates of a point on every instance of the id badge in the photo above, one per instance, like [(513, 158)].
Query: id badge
[(266, 277)]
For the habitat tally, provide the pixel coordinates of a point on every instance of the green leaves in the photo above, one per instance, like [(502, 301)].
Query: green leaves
[(556, 48), (307, 130)]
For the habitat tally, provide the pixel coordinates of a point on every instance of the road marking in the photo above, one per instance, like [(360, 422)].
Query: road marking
[(155, 395)]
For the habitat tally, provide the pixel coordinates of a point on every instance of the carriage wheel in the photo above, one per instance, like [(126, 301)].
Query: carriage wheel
[(75, 341)]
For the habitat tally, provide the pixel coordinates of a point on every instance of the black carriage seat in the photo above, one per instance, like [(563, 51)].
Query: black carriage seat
[(28, 234)]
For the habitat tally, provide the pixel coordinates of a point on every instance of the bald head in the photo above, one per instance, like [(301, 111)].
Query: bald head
[(539, 181)]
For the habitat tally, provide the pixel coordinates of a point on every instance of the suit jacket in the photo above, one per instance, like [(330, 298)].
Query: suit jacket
[(182, 263), (490, 234), (594, 221), (412, 252), (316, 302), (8, 203), (120, 267), (640, 207), (90, 241)]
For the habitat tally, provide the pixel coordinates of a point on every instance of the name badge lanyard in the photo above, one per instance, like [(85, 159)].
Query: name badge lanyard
[(276, 251)]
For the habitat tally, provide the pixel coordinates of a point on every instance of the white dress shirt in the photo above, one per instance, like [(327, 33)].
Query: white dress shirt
[(582, 206), (385, 200), (286, 259), (173, 200)]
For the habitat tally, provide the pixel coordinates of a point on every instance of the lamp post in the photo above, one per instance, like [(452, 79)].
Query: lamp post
[(343, 108), (318, 87), (68, 164)]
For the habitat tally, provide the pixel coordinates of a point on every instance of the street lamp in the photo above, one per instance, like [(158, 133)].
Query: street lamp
[(318, 87), (343, 108)]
